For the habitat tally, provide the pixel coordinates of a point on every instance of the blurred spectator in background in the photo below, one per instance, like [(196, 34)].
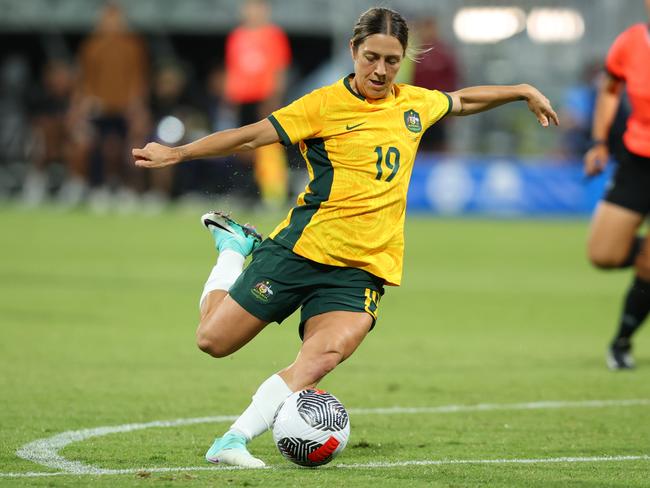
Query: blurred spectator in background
[(53, 140), (208, 177), (577, 114), (257, 57), (220, 113), (437, 69), (112, 93), (171, 112), (14, 121), (177, 116), (577, 111)]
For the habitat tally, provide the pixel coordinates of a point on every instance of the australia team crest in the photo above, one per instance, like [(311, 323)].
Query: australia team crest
[(412, 121), (262, 291)]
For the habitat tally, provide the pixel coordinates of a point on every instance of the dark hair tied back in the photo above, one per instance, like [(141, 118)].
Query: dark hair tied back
[(379, 20)]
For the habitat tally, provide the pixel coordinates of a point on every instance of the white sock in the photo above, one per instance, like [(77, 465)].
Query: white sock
[(258, 417), (228, 268)]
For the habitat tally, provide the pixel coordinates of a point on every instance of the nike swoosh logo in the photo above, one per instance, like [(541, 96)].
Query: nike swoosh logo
[(350, 127)]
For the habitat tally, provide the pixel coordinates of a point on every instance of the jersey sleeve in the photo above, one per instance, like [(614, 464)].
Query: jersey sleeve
[(302, 119), (617, 56), (438, 105)]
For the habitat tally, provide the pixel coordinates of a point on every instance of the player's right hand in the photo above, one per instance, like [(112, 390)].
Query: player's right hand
[(541, 107), (155, 155), (596, 159)]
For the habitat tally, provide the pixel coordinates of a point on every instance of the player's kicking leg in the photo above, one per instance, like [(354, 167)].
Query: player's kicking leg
[(234, 243)]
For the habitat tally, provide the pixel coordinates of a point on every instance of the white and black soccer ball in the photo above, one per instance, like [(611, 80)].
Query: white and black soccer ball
[(311, 428)]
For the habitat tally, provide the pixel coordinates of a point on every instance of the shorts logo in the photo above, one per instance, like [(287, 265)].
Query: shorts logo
[(262, 291), (412, 121), (372, 302)]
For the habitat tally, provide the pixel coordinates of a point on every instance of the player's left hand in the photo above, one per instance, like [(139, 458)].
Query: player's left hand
[(155, 155), (541, 107)]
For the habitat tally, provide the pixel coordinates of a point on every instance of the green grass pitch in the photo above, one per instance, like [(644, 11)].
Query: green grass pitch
[(97, 319)]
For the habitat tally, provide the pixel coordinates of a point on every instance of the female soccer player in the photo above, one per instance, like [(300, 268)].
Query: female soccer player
[(614, 241), (343, 241)]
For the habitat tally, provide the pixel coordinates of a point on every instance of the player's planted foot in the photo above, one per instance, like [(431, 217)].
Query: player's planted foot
[(619, 354), (228, 234), (231, 449)]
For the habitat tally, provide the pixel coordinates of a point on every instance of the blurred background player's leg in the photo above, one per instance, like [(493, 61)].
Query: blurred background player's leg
[(614, 244), (636, 307), (272, 175)]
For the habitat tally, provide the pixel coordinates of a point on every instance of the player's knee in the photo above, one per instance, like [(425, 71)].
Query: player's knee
[(605, 260), (212, 345)]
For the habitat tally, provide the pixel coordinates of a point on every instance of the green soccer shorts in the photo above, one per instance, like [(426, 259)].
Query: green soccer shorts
[(278, 281)]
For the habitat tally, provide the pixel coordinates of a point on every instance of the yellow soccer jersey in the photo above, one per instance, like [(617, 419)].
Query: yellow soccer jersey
[(359, 155)]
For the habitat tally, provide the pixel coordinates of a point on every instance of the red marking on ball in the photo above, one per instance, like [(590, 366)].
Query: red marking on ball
[(324, 451)]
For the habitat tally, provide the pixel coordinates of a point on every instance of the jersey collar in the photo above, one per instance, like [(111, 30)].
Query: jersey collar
[(346, 82)]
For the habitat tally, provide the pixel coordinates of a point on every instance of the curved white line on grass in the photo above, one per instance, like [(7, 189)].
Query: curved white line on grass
[(45, 452), (104, 472), (374, 465)]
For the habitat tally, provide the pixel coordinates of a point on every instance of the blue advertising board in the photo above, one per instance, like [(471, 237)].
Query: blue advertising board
[(503, 187)]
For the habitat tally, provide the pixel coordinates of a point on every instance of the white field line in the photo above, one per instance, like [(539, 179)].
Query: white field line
[(375, 465), (500, 406), (45, 452), (435, 462)]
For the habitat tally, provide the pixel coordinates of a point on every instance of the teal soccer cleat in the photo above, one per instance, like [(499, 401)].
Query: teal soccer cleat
[(228, 234), (231, 449)]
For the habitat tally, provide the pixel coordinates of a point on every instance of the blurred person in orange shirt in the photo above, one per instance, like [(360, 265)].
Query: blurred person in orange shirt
[(111, 93), (257, 57), (614, 240)]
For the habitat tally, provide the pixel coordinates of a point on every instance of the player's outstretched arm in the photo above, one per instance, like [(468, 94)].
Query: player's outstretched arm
[(475, 99), (230, 141)]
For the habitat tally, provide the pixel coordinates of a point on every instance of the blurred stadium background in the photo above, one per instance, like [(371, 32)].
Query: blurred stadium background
[(501, 163)]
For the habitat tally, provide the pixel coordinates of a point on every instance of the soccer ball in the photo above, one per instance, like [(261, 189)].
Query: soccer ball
[(311, 428)]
